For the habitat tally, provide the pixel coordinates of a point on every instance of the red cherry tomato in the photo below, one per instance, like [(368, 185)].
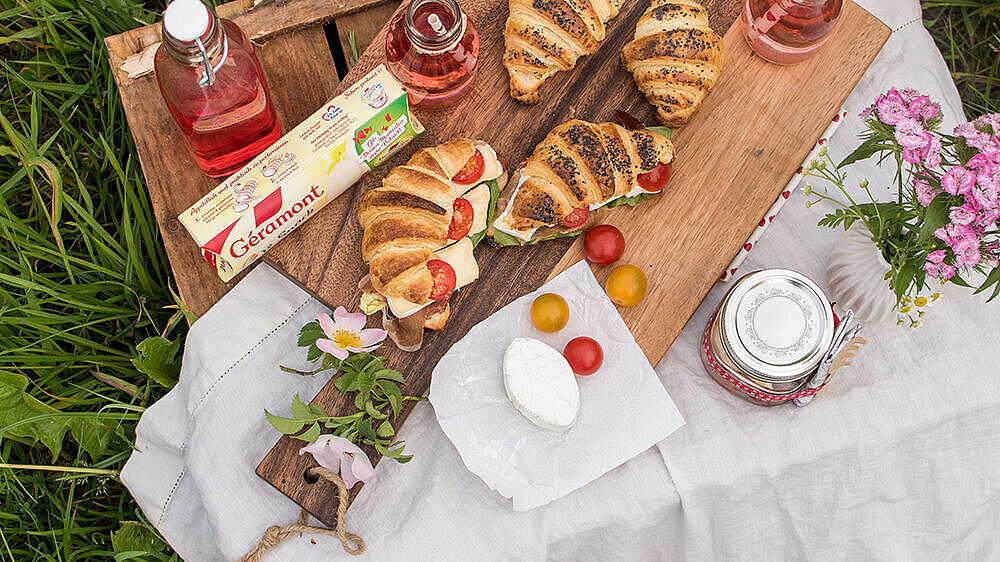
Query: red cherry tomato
[(655, 179), (444, 279), (576, 218), (472, 170), (584, 355), (603, 244), (461, 219)]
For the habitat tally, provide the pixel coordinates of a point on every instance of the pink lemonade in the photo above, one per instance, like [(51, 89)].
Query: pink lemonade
[(787, 31), (432, 48)]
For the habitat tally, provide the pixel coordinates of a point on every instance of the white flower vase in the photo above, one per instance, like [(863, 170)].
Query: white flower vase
[(857, 277)]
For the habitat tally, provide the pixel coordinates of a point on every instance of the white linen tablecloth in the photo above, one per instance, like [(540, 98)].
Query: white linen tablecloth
[(897, 459)]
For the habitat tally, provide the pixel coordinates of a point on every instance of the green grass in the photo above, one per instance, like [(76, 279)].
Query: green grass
[(968, 34), (84, 278)]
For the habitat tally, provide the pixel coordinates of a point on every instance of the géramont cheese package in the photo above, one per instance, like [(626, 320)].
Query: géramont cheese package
[(303, 171)]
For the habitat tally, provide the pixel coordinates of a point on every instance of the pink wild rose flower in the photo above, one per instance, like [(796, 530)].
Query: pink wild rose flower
[(341, 456), (346, 333)]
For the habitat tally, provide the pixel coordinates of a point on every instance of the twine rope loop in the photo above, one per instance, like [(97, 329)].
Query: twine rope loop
[(275, 534)]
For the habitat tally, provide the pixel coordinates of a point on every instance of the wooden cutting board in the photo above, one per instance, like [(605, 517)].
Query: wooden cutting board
[(732, 161)]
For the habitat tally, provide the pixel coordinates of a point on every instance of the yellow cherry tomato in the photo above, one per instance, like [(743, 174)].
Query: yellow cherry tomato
[(626, 285), (549, 312)]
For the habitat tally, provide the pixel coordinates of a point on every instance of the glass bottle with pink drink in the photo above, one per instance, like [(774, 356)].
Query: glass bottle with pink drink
[(432, 48), (787, 31), (215, 90)]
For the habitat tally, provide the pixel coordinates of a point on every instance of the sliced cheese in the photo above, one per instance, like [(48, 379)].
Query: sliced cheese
[(503, 221), (492, 168), (479, 197), (541, 384), (460, 257)]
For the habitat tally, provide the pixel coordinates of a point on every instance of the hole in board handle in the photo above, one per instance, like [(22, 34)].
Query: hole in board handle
[(309, 478)]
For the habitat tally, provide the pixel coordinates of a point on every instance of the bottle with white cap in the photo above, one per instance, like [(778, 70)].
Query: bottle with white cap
[(213, 85)]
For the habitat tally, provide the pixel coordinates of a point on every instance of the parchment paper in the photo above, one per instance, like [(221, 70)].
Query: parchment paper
[(624, 408)]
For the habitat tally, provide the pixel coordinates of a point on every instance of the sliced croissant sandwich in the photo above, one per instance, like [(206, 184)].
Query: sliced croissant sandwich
[(543, 37), (675, 58), (420, 227), (577, 170)]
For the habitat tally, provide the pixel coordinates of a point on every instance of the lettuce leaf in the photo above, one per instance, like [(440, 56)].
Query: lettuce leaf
[(490, 211), (504, 239), (630, 201)]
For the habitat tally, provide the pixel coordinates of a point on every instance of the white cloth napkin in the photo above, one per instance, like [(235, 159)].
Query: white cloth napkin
[(623, 407), (898, 459)]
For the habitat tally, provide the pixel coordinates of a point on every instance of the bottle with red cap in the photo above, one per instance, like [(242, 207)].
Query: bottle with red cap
[(213, 85)]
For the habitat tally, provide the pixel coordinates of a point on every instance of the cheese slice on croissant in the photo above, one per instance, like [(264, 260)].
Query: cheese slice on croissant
[(579, 165), (406, 225)]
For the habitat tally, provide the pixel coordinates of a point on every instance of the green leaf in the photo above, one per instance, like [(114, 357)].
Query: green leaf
[(300, 410), (365, 429), (490, 211), (310, 333), (504, 239), (664, 131), (630, 201), (395, 397), (317, 411), (366, 382), (310, 434), (134, 537), (157, 359), (903, 279), (287, 426), (385, 429), (992, 279), (347, 382), (935, 217), (389, 374), (869, 148), (508, 240)]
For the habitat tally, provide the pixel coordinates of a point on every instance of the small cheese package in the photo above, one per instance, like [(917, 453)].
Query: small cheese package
[(303, 171)]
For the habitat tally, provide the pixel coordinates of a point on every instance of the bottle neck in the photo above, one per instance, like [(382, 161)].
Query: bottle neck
[(208, 52), (434, 26)]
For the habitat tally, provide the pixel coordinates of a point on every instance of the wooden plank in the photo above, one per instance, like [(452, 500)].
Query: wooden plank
[(732, 159), (302, 76), (364, 26)]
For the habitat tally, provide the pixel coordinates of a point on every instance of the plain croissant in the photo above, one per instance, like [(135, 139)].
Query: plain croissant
[(580, 165), (543, 37), (675, 58)]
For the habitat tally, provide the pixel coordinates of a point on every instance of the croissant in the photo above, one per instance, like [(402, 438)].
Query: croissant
[(543, 37), (675, 58), (578, 168), (408, 231)]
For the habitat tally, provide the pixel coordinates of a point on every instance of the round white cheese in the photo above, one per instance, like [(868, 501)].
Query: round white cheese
[(541, 384)]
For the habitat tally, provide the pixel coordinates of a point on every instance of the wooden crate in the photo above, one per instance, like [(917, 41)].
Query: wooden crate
[(292, 45)]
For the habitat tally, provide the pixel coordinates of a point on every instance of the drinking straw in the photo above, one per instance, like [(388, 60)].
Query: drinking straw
[(772, 212)]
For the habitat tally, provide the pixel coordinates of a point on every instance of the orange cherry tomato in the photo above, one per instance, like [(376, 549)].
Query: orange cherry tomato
[(576, 218), (655, 179), (472, 170), (549, 312), (444, 279), (603, 244), (461, 219), (584, 355), (626, 285)]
